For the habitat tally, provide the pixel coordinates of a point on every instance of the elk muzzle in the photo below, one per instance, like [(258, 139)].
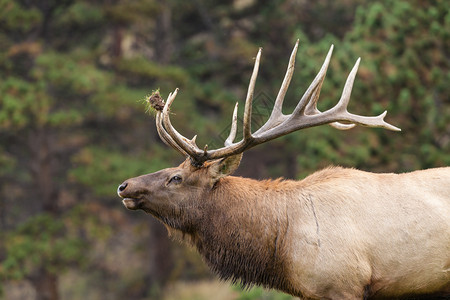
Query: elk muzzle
[(129, 200)]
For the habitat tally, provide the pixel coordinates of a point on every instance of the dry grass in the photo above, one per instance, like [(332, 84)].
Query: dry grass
[(200, 290)]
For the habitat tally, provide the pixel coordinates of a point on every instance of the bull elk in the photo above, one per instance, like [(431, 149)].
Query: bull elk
[(337, 234)]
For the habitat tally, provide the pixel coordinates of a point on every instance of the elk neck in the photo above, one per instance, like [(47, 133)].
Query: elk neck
[(241, 233)]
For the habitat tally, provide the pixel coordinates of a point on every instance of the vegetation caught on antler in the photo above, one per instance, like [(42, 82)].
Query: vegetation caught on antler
[(154, 101)]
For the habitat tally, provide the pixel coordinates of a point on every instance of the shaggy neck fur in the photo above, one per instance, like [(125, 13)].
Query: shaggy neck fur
[(242, 236)]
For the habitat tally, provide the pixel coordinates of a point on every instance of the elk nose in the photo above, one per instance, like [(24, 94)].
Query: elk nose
[(122, 187)]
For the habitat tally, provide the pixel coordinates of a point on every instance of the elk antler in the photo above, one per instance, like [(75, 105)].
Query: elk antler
[(304, 115)]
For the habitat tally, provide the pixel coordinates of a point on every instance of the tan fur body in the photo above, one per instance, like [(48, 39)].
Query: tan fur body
[(337, 234)]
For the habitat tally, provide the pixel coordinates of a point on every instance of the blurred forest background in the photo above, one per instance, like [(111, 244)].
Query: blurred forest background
[(73, 126)]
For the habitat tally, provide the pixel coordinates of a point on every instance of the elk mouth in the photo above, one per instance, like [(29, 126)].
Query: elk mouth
[(132, 203)]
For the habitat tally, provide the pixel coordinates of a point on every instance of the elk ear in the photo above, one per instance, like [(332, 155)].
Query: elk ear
[(225, 166)]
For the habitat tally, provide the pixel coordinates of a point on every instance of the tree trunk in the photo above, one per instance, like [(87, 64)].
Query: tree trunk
[(161, 256), (43, 171), (117, 41), (46, 285), (163, 33), (291, 166)]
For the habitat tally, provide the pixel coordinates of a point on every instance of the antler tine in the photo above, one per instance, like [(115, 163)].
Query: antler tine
[(249, 99), (233, 129), (181, 142), (341, 108), (165, 137), (277, 116), (311, 106), (345, 98), (308, 102), (346, 92)]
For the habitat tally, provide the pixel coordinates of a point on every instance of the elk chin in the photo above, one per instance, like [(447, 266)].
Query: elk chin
[(132, 204)]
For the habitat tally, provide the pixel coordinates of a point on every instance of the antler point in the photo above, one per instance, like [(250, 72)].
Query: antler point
[(329, 52)]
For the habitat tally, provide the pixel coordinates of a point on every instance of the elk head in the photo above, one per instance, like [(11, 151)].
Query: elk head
[(166, 194), (175, 195)]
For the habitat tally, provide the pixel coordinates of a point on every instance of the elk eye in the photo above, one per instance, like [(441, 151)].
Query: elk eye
[(175, 179)]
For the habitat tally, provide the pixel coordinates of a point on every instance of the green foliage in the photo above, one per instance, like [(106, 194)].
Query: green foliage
[(17, 18), (408, 72), (125, 12), (140, 68), (82, 14), (55, 78), (22, 103), (40, 243), (7, 163), (117, 101), (70, 75), (51, 244), (102, 169)]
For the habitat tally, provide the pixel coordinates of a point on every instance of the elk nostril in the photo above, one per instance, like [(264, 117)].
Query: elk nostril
[(122, 187)]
